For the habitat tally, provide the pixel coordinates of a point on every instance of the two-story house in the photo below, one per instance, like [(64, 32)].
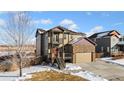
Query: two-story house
[(106, 42), (52, 40)]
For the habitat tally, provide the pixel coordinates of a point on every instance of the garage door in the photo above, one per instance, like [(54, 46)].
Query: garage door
[(83, 57)]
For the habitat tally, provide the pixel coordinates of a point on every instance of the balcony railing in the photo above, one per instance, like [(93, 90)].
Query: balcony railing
[(119, 53), (59, 41)]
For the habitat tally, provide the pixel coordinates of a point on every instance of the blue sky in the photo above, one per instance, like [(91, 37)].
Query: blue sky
[(81, 21), (88, 22)]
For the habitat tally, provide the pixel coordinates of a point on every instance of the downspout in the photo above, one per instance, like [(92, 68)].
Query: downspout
[(110, 47), (63, 47), (68, 38), (51, 45)]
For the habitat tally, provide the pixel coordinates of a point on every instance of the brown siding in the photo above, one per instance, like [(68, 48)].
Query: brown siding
[(83, 48), (82, 51)]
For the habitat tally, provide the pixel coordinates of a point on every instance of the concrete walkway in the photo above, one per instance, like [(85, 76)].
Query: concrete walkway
[(106, 70)]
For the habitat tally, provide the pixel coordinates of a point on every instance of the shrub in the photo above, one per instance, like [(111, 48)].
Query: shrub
[(8, 66)]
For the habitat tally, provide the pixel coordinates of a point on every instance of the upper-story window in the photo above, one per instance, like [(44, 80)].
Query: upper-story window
[(57, 37), (121, 39), (64, 36)]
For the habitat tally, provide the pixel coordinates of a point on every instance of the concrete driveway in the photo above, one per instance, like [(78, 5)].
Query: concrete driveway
[(112, 72)]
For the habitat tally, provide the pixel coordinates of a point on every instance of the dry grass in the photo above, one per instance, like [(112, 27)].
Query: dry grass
[(8, 66), (54, 76), (13, 65)]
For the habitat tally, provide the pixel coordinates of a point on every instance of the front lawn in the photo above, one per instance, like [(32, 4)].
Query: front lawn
[(54, 76)]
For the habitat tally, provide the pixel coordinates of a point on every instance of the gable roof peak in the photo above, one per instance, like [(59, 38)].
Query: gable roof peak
[(74, 41), (102, 34), (39, 31)]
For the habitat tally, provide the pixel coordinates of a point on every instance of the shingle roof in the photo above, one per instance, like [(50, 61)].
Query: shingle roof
[(74, 41), (65, 29), (61, 28), (102, 34), (39, 31)]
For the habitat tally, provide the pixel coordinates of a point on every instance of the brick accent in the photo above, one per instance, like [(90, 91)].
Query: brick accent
[(83, 48)]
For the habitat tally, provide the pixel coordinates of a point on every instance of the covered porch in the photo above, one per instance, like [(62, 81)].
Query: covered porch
[(120, 47)]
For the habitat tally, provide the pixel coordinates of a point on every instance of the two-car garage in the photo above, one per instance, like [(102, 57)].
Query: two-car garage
[(83, 50), (83, 57)]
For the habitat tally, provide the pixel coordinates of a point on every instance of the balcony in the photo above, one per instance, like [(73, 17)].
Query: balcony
[(57, 41)]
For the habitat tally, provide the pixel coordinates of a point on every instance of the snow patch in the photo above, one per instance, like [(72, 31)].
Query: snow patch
[(72, 67), (118, 61), (77, 70), (89, 75)]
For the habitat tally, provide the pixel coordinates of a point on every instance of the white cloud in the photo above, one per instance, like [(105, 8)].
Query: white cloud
[(2, 22), (42, 21), (66, 22), (117, 24), (73, 27), (88, 13), (105, 14), (95, 30), (69, 24), (46, 21)]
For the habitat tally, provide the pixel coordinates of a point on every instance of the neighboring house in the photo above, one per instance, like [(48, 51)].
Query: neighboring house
[(121, 44), (106, 42), (54, 39), (80, 50)]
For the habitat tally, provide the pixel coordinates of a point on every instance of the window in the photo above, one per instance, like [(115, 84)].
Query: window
[(64, 36), (108, 49), (102, 49), (121, 39), (57, 37)]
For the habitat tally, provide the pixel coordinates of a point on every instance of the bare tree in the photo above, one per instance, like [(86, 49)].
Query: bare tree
[(18, 32)]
